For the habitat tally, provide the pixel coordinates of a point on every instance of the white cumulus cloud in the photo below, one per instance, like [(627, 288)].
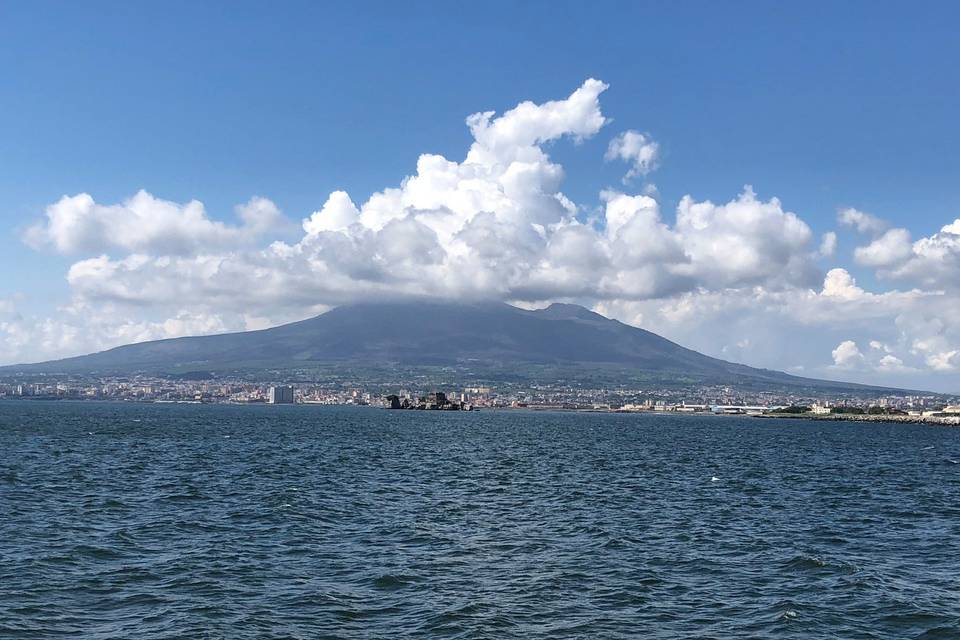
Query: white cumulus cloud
[(828, 244), (636, 149), (861, 221), (494, 225), (891, 248), (933, 261), (847, 355), (77, 225)]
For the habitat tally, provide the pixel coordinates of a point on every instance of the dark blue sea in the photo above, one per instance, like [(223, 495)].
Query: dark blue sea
[(188, 521)]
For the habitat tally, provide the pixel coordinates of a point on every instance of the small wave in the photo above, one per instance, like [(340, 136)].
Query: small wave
[(804, 562), (98, 553), (939, 633), (391, 582), (915, 619), (188, 494)]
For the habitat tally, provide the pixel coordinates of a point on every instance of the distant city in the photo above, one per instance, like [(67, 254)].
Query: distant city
[(692, 399)]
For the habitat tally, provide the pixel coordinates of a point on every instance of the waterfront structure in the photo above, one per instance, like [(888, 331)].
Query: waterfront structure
[(280, 395), (437, 401)]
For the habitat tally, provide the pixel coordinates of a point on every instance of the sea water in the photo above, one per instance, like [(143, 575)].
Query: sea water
[(203, 521)]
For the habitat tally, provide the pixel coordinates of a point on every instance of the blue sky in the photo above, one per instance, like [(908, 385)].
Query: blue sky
[(822, 105)]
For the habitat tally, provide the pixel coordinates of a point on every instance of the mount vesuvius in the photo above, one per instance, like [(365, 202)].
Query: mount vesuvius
[(487, 337)]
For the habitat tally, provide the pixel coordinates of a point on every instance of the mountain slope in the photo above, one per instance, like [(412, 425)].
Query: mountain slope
[(427, 333)]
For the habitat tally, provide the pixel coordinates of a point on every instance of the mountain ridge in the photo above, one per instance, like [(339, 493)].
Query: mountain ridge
[(430, 333)]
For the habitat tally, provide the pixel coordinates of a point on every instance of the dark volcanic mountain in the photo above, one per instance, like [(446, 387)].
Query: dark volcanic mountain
[(491, 336)]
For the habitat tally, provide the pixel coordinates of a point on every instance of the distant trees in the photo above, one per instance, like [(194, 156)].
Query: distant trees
[(794, 408), (848, 410)]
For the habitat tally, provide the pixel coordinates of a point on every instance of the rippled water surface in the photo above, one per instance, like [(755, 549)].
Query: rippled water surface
[(121, 521)]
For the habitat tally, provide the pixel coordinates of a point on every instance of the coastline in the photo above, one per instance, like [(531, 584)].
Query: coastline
[(942, 421)]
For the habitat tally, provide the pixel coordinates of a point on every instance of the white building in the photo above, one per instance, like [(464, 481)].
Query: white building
[(820, 409)]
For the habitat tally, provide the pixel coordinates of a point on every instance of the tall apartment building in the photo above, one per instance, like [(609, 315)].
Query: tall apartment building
[(280, 395)]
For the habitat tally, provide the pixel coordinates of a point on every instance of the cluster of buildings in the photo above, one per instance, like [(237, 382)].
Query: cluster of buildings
[(143, 389), (435, 402), (426, 394)]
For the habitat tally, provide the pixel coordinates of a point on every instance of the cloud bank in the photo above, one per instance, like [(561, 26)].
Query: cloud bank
[(496, 224)]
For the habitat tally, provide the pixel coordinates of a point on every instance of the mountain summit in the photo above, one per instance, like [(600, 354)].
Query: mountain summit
[(424, 333)]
